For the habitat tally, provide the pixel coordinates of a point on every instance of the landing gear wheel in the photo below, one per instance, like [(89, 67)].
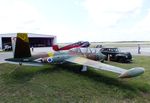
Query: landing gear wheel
[(84, 69), (20, 63)]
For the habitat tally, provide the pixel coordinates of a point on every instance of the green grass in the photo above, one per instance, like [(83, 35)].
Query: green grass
[(64, 83)]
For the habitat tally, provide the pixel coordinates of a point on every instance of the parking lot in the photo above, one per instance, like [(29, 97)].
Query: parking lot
[(5, 55), (134, 50)]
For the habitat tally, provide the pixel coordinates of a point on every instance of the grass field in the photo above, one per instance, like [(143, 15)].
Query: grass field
[(64, 83)]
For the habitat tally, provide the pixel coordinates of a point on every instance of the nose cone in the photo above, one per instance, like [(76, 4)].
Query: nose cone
[(101, 56), (132, 72)]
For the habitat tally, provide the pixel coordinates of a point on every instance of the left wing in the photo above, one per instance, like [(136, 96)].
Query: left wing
[(101, 66)]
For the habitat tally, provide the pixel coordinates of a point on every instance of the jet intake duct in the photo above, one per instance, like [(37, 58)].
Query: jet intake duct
[(132, 72), (45, 60)]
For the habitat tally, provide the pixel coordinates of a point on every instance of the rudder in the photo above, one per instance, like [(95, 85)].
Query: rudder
[(22, 46)]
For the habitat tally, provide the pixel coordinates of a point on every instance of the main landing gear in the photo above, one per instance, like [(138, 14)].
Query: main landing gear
[(84, 69)]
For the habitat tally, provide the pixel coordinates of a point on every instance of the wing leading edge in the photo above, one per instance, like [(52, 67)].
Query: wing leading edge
[(101, 66)]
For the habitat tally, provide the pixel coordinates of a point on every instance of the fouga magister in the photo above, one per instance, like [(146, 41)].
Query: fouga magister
[(22, 55)]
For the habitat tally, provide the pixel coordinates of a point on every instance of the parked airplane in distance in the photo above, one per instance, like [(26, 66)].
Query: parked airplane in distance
[(22, 55), (70, 46)]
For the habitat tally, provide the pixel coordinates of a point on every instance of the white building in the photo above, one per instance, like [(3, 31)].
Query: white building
[(36, 40)]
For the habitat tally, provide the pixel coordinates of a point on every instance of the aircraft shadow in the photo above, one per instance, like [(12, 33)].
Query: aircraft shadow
[(99, 77), (21, 76)]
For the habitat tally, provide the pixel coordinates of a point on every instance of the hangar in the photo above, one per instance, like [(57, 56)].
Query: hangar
[(36, 40)]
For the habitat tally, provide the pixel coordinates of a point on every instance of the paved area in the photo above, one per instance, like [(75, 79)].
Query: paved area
[(134, 50), (5, 55)]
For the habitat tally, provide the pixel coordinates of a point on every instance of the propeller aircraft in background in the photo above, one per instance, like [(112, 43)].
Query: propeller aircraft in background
[(83, 44)]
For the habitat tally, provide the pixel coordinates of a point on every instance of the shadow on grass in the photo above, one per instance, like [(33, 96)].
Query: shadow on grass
[(25, 74), (111, 81)]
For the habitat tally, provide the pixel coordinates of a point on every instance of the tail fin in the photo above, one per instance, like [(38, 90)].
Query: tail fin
[(22, 47), (55, 47)]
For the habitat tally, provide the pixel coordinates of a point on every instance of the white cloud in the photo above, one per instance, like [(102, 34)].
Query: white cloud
[(141, 31), (144, 24), (106, 13), (20, 16), (14, 15)]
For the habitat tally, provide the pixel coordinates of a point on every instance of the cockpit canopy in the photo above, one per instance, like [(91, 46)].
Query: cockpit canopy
[(85, 50)]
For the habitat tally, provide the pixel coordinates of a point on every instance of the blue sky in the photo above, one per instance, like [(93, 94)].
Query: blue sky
[(74, 20)]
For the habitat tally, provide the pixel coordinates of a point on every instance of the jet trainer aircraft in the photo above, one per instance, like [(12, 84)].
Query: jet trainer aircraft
[(22, 55), (70, 46)]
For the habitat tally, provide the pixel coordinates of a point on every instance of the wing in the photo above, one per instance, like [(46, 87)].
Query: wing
[(101, 66)]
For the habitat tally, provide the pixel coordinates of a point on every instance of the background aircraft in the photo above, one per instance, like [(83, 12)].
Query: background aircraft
[(86, 58), (70, 46)]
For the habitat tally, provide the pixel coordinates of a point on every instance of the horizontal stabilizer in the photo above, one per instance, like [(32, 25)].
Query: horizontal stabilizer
[(25, 63), (21, 62)]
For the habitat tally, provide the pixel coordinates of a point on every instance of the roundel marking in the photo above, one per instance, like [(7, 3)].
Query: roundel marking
[(49, 60)]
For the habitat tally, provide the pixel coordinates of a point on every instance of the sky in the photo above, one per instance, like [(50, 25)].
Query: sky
[(75, 20)]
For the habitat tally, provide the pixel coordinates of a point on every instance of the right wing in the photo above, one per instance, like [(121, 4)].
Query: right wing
[(101, 66)]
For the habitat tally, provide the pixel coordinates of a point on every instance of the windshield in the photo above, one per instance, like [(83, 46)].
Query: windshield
[(117, 50), (85, 50)]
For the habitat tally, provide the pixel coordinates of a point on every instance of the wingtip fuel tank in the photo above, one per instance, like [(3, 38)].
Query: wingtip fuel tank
[(133, 72)]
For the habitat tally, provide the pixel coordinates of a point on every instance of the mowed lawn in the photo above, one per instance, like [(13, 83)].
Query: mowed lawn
[(64, 83)]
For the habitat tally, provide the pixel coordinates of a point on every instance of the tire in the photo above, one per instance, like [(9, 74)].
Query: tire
[(121, 60), (102, 61)]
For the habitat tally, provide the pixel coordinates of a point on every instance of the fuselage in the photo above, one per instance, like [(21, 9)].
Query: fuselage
[(60, 57)]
